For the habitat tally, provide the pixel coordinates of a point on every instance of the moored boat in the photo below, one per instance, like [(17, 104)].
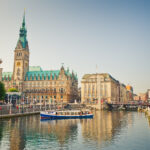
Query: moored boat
[(70, 114)]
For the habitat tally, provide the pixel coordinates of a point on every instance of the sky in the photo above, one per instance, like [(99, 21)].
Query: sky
[(113, 35)]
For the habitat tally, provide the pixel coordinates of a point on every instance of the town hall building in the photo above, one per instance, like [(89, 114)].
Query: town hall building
[(34, 82)]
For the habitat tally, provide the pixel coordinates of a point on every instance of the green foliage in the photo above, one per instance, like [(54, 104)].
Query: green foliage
[(2, 91), (12, 90)]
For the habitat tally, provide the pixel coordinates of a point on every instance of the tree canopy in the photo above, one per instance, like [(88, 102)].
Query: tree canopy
[(2, 91), (12, 90)]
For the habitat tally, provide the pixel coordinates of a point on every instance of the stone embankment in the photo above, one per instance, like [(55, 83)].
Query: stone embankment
[(18, 115)]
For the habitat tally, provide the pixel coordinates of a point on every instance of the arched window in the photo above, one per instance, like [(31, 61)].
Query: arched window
[(61, 90)]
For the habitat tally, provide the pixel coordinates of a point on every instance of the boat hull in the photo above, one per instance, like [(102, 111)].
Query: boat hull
[(47, 116)]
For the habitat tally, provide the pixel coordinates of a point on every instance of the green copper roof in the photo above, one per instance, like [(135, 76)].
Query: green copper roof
[(31, 74), (36, 71), (7, 75), (23, 34)]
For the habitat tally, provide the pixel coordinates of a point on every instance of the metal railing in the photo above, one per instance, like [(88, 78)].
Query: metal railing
[(10, 109)]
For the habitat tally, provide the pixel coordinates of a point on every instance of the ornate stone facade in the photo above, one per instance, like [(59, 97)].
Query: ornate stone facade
[(102, 87), (38, 85)]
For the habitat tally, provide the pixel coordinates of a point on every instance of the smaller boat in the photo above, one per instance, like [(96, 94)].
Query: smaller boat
[(70, 114)]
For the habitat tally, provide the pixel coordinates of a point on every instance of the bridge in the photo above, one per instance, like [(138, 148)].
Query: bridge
[(126, 106)]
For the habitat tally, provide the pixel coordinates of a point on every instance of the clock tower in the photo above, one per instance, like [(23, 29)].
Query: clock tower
[(21, 58)]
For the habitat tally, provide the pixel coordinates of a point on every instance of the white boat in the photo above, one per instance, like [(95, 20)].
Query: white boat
[(69, 114)]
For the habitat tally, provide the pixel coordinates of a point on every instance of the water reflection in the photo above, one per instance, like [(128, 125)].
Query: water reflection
[(104, 126), (148, 118), (30, 132)]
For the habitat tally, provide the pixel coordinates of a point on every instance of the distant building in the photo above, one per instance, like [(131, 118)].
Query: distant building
[(103, 87), (124, 95), (79, 94), (141, 97), (130, 92), (99, 86), (34, 82), (148, 95)]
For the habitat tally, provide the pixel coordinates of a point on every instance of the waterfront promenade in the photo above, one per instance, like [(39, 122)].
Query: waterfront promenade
[(9, 111)]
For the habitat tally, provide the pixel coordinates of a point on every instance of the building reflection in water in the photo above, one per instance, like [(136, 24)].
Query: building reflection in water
[(13, 135), (30, 132), (62, 130), (17, 134), (104, 126), (149, 120)]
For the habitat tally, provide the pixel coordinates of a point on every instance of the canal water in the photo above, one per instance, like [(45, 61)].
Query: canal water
[(106, 131)]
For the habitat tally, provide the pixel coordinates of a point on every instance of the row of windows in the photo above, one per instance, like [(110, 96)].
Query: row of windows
[(61, 90), (96, 79), (87, 88), (19, 54), (90, 90), (42, 83), (41, 98)]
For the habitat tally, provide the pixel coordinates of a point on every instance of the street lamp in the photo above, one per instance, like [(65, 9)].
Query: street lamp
[(61, 104), (10, 99), (22, 102), (45, 104), (27, 103), (33, 104), (40, 103), (19, 103), (49, 103)]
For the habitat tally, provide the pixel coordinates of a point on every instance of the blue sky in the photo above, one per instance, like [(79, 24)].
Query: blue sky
[(112, 34)]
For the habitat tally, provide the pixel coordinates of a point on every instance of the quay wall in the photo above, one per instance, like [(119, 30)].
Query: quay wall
[(19, 115)]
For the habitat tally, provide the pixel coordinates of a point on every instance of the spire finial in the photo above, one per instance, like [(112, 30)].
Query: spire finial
[(23, 33), (62, 67), (23, 23)]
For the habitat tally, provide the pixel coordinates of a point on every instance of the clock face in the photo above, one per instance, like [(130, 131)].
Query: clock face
[(18, 64)]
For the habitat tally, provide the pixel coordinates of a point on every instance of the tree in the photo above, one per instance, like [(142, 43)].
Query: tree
[(12, 90), (2, 91)]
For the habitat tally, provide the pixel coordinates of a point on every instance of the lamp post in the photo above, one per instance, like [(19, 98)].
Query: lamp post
[(40, 104), (19, 103), (45, 104), (22, 103), (33, 105), (62, 104), (27, 104), (49, 103), (10, 99)]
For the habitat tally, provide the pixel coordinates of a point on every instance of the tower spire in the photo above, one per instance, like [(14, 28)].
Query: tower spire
[(23, 23), (23, 34)]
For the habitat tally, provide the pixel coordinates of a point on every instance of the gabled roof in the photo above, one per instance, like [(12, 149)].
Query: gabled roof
[(7, 75), (36, 71), (31, 74)]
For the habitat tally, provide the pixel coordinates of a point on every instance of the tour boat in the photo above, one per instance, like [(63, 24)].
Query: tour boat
[(70, 114)]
